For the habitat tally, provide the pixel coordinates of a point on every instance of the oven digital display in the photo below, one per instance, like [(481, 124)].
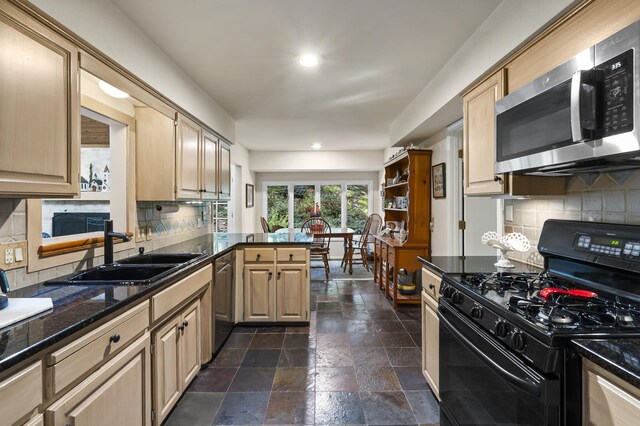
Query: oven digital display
[(605, 241)]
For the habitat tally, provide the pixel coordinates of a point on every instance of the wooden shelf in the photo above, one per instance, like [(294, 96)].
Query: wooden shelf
[(396, 185)]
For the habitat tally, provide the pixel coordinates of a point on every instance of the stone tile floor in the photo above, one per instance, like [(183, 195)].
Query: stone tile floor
[(357, 363)]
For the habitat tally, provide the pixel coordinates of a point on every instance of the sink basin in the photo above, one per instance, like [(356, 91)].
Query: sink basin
[(160, 259), (117, 274)]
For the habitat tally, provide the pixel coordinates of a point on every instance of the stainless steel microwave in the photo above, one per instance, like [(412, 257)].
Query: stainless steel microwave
[(581, 116)]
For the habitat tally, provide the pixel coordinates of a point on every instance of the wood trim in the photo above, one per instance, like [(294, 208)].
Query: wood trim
[(75, 245), (21, 393)]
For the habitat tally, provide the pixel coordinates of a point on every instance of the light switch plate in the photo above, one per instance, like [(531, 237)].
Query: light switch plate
[(18, 250), (508, 213), (141, 233), (149, 232)]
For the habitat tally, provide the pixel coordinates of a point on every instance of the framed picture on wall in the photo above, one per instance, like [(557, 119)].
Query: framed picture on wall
[(439, 184), (249, 195)]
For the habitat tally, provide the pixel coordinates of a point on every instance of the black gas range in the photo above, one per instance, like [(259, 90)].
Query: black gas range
[(505, 354)]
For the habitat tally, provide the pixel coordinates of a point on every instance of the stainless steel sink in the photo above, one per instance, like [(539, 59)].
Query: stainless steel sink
[(160, 259)]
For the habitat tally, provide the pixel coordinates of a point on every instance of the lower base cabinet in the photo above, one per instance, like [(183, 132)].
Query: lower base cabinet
[(291, 293), (176, 358), (606, 399), (119, 393), (431, 343)]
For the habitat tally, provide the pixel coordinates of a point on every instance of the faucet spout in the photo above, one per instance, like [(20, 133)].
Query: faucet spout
[(109, 235)]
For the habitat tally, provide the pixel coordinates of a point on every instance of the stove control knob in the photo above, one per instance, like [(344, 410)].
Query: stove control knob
[(476, 312), (457, 298), (518, 341), (448, 292), (501, 329)]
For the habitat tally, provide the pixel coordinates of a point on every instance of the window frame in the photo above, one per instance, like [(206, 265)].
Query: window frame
[(317, 184)]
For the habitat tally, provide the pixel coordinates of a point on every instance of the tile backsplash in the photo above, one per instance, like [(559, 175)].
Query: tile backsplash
[(605, 197), (190, 221)]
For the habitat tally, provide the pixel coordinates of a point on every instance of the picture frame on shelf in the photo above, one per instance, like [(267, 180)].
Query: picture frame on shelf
[(438, 177), (249, 192)]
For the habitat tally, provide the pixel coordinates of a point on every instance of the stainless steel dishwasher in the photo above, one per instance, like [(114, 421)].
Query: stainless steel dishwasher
[(223, 299)]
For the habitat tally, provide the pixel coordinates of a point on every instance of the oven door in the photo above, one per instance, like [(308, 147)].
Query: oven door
[(483, 383)]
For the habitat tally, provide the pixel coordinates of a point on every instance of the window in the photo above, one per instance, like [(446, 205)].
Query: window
[(289, 205), (220, 216)]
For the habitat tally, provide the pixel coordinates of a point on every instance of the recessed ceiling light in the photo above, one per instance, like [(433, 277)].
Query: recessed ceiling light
[(316, 146), (309, 60), (112, 91)]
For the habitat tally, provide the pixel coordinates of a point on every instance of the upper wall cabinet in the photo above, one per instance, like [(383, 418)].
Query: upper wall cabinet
[(209, 166), (188, 164), (39, 109), (224, 170)]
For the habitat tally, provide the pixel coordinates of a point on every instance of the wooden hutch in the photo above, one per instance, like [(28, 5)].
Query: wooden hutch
[(411, 205)]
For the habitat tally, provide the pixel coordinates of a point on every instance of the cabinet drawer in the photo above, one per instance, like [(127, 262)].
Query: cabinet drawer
[(259, 254), (169, 298), (74, 360), (20, 394), (36, 421), (430, 283), (291, 254)]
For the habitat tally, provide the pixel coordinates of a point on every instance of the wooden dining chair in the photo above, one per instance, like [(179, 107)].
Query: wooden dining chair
[(361, 245), (265, 225), (320, 245)]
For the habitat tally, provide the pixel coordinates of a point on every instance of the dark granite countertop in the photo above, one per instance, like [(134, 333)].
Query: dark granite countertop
[(78, 306), (457, 265), (619, 356)]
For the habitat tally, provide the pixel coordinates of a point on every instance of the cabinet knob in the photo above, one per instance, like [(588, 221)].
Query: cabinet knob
[(257, 256), (115, 338), (431, 286), (291, 257), (181, 328), (497, 178), (278, 277), (270, 275), (186, 323)]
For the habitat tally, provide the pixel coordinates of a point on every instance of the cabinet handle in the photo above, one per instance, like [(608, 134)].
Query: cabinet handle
[(497, 178), (115, 338), (186, 323), (257, 257), (270, 275), (181, 328), (278, 277), (431, 286), (291, 257)]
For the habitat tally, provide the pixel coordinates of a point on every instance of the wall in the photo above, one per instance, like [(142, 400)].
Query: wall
[(103, 25), (240, 156), (613, 198), (314, 161), (510, 25)]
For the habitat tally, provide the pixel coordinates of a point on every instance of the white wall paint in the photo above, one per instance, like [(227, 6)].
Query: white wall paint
[(442, 219), (240, 157), (308, 161), (511, 24), (105, 27)]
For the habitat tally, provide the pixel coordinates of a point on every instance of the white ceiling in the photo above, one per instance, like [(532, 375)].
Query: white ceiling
[(376, 57)]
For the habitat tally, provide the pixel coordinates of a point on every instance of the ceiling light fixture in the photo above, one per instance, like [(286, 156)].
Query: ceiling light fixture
[(111, 90), (309, 60), (316, 146)]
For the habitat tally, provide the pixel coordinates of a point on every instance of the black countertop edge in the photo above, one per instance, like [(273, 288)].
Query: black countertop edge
[(619, 356), (457, 264), (15, 334)]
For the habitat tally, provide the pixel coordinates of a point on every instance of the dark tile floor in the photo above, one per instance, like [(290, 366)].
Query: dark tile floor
[(357, 363)]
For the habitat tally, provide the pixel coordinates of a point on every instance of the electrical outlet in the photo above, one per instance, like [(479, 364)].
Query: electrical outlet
[(149, 232), (141, 233), (15, 255), (8, 256)]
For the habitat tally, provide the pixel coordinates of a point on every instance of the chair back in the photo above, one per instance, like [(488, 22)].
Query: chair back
[(265, 225), (317, 225), (374, 223)]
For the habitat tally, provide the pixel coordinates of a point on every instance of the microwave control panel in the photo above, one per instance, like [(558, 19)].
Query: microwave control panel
[(618, 94), (608, 246)]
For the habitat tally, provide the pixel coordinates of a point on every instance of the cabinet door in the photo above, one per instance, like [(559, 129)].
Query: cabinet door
[(430, 343), (479, 137), (291, 295), (116, 394), (166, 370), (155, 155), (39, 105), (190, 343), (259, 293), (222, 296), (225, 171), (209, 167), (188, 158)]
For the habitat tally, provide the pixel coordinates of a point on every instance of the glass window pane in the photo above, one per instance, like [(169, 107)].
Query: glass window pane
[(330, 200), (303, 203), (278, 207), (357, 206)]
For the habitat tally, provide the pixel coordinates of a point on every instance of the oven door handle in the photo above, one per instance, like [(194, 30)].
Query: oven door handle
[(525, 385), (581, 80)]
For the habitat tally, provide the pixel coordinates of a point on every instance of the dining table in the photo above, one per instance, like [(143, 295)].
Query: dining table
[(345, 233)]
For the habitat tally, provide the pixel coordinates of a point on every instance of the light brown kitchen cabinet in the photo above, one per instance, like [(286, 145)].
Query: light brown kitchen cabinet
[(21, 394), (292, 293), (607, 400), (480, 147), (209, 167), (36, 421), (39, 109), (259, 292), (431, 330), (119, 393), (176, 358), (155, 155), (188, 165), (224, 171)]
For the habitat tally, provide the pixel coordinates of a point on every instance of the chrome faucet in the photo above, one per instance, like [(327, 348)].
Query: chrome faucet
[(108, 240)]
